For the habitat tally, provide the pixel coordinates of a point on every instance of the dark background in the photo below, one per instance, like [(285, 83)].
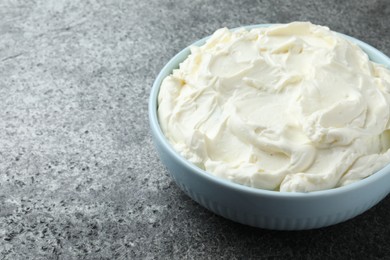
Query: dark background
[(79, 177)]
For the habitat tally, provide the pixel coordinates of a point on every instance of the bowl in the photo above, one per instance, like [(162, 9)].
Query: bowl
[(262, 208)]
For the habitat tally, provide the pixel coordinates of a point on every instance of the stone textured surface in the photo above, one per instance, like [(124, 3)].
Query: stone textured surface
[(79, 177)]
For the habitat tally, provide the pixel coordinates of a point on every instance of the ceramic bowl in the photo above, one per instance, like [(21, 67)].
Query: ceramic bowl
[(263, 208)]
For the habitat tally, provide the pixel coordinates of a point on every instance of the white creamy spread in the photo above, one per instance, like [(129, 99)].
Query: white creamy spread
[(291, 107)]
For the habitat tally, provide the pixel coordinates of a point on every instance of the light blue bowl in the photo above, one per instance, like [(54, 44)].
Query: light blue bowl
[(263, 208)]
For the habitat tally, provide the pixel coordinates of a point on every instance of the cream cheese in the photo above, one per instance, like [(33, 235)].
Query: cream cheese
[(291, 107)]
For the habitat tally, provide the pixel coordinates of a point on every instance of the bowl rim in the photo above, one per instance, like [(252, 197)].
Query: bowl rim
[(156, 130)]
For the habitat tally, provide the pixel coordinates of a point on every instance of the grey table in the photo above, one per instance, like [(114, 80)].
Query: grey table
[(79, 177)]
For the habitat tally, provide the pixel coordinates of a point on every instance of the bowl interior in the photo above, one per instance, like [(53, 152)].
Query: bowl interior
[(374, 55)]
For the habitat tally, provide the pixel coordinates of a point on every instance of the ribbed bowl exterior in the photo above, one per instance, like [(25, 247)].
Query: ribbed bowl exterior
[(260, 208), (265, 209)]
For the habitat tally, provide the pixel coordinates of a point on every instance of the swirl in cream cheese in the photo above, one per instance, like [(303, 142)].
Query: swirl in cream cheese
[(291, 107)]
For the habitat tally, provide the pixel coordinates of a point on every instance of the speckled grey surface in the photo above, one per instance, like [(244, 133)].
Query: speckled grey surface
[(79, 177)]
